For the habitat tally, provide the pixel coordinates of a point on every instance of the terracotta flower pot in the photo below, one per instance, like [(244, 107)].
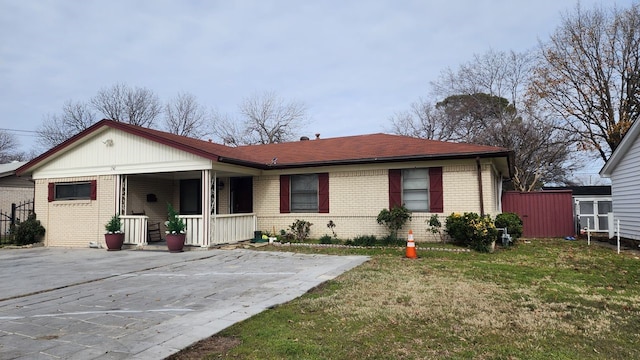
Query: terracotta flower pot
[(175, 242), (114, 241)]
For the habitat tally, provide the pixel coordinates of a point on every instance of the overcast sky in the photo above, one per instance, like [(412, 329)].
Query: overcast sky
[(353, 63)]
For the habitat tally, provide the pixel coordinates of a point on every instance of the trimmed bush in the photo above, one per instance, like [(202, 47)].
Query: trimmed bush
[(470, 229), (394, 219), (29, 231)]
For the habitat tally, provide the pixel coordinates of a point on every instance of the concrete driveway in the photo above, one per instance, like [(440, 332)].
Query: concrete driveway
[(95, 304)]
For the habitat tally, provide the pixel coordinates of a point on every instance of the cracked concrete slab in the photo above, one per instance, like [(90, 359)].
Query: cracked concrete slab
[(94, 304)]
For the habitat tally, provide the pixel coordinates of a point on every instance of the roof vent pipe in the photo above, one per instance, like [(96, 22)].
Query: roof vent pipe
[(317, 136)]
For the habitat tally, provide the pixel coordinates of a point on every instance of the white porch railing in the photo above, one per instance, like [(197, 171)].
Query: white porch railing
[(227, 229), (135, 229), (195, 230)]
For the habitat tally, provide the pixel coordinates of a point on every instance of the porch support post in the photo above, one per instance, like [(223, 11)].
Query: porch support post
[(121, 194), (206, 207)]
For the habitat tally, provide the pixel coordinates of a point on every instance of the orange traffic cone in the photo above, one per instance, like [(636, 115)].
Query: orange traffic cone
[(411, 247)]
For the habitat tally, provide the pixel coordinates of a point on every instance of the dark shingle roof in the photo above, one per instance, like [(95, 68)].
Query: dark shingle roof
[(330, 151), (358, 149)]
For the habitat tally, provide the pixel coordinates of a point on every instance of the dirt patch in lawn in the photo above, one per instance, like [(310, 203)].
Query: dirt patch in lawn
[(212, 347)]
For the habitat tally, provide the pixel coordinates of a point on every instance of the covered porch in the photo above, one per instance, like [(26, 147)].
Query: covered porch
[(216, 206)]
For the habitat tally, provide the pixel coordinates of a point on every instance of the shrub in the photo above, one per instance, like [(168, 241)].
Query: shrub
[(114, 225), (512, 222), (456, 226), (394, 219), (470, 229), (29, 231), (435, 226), (300, 229), (331, 225), (326, 239), (365, 240), (391, 241)]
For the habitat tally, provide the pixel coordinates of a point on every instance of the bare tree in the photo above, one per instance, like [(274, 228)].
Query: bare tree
[(483, 102), (56, 128), (185, 116), (589, 75), (8, 147), (228, 129), (137, 106), (266, 119), (422, 120)]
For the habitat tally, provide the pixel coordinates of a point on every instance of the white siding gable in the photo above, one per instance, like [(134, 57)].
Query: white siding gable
[(123, 154), (625, 192)]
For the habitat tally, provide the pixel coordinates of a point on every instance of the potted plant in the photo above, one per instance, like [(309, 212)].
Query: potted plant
[(114, 238), (175, 231)]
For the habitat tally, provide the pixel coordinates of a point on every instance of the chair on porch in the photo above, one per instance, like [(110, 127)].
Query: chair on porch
[(153, 232), (153, 229)]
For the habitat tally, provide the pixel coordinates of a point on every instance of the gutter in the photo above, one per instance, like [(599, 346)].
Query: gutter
[(397, 159), (479, 170)]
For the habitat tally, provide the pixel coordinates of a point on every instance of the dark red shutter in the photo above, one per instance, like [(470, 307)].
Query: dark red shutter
[(323, 193), (285, 180), (435, 190), (395, 188), (52, 195), (94, 189)]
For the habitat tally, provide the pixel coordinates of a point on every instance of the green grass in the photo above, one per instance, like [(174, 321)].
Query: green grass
[(550, 299)]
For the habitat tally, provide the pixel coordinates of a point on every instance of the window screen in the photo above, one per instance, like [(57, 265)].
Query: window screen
[(304, 193), (73, 191), (415, 189)]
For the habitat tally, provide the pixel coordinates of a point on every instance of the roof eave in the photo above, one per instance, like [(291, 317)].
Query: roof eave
[(618, 153), (393, 159), (116, 125)]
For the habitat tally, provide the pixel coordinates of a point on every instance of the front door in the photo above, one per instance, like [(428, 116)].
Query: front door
[(190, 197), (242, 195)]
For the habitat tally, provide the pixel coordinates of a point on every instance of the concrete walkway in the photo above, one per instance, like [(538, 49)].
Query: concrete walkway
[(95, 304)]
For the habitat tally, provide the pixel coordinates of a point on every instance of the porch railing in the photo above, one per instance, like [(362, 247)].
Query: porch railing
[(227, 229), (195, 230), (135, 229)]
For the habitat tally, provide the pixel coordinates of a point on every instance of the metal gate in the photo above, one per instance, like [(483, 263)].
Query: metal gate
[(18, 213), (543, 214)]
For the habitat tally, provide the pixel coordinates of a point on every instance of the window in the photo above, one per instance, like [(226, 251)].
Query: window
[(415, 189), (419, 190), (190, 197), (592, 213), (304, 193), (81, 190)]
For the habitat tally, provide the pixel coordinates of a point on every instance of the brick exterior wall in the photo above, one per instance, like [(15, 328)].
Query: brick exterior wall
[(75, 223), (357, 196), (16, 195)]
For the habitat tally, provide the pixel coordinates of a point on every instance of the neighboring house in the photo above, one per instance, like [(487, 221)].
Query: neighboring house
[(14, 189), (623, 168), (226, 193), (592, 204)]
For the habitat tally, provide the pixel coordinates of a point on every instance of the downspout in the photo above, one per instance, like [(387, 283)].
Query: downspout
[(479, 170)]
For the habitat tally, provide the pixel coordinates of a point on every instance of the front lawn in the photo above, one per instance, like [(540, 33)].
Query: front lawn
[(548, 299)]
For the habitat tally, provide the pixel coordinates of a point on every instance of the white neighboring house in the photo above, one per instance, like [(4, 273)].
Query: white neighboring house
[(623, 168)]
